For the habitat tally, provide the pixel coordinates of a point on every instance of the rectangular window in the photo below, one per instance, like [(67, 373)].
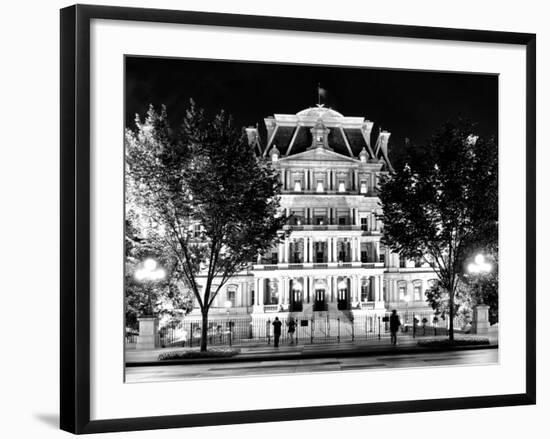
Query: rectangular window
[(232, 297), (417, 292), (320, 187), (342, 221), (402, 293), (364, 188), (341, 186), (196, 230), (297, 186), (364, 224)]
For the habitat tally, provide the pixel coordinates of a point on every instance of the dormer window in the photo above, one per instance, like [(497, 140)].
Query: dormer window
[(341, 186), (320, 186), (363, 158), (297, 186)]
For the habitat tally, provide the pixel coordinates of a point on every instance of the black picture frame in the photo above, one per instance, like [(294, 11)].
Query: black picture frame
[(75, 217)]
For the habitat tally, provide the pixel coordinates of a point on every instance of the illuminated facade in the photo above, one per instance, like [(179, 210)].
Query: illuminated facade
[(333, 262)]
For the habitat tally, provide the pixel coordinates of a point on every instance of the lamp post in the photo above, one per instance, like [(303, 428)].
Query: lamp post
[(227, 306), (147, 275), (479, 268), (406, 298), (148, 324)]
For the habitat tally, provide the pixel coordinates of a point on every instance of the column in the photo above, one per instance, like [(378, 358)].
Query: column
[(329, 292), (287, 290), (287, 250), (281, 257), (335, 250), (329, 248), (356, 172), (311, 292), (351, 216), (311, 256), (261, 292)]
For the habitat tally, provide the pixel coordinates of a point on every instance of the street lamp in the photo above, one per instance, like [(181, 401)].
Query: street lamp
[(227, 306), (406, 298), (479, 268), (147, 275)]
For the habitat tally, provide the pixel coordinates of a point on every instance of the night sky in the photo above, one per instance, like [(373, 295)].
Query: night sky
[(409, 104)]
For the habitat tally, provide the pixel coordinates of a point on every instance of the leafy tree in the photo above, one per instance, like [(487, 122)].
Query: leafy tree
[(441, 203), (165, 297), (212, 201)]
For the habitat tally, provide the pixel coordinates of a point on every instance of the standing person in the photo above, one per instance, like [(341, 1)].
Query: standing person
[(395, 323), (268, 331), (291, 329), (276, 332)]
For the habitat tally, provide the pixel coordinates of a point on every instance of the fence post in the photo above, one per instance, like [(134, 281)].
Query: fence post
[(352, 329), (379, 336), (414, 326), (190, 335), (338, 329), (230, 333), (311, 332)]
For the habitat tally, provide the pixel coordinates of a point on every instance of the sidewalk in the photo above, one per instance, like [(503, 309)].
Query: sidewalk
[(267, 352)]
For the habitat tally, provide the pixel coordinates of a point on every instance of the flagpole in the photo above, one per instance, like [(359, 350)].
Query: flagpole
[(318, 93)]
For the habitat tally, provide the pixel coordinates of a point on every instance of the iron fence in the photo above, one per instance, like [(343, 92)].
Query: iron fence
[(320, 328)]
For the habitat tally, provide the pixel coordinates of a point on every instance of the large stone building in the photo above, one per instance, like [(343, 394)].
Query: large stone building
[(333, 263)]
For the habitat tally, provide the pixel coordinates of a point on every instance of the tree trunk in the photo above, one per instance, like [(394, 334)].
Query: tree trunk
[(204, 329), (451, 314)]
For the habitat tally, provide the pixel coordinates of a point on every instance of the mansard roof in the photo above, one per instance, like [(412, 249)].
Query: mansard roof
[(347, 136)]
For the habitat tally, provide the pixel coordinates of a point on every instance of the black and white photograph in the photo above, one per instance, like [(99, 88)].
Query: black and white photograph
[(295, 219)]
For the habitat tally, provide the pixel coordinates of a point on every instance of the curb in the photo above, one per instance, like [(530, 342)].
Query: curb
[(240, 358)]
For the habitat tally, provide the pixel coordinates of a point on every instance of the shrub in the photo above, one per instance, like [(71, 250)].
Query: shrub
[(463, 341), (195, 353)]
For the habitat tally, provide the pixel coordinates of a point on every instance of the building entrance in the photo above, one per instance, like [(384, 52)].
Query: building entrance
[(296, 304), (320, 303), (343, 299)]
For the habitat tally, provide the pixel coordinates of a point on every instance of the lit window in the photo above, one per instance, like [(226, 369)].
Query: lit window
[(363, 187), (320, 186), (341, 186), (297, 186), (417, 291)]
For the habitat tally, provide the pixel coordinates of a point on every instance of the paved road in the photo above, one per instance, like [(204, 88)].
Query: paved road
[(168, 373)]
